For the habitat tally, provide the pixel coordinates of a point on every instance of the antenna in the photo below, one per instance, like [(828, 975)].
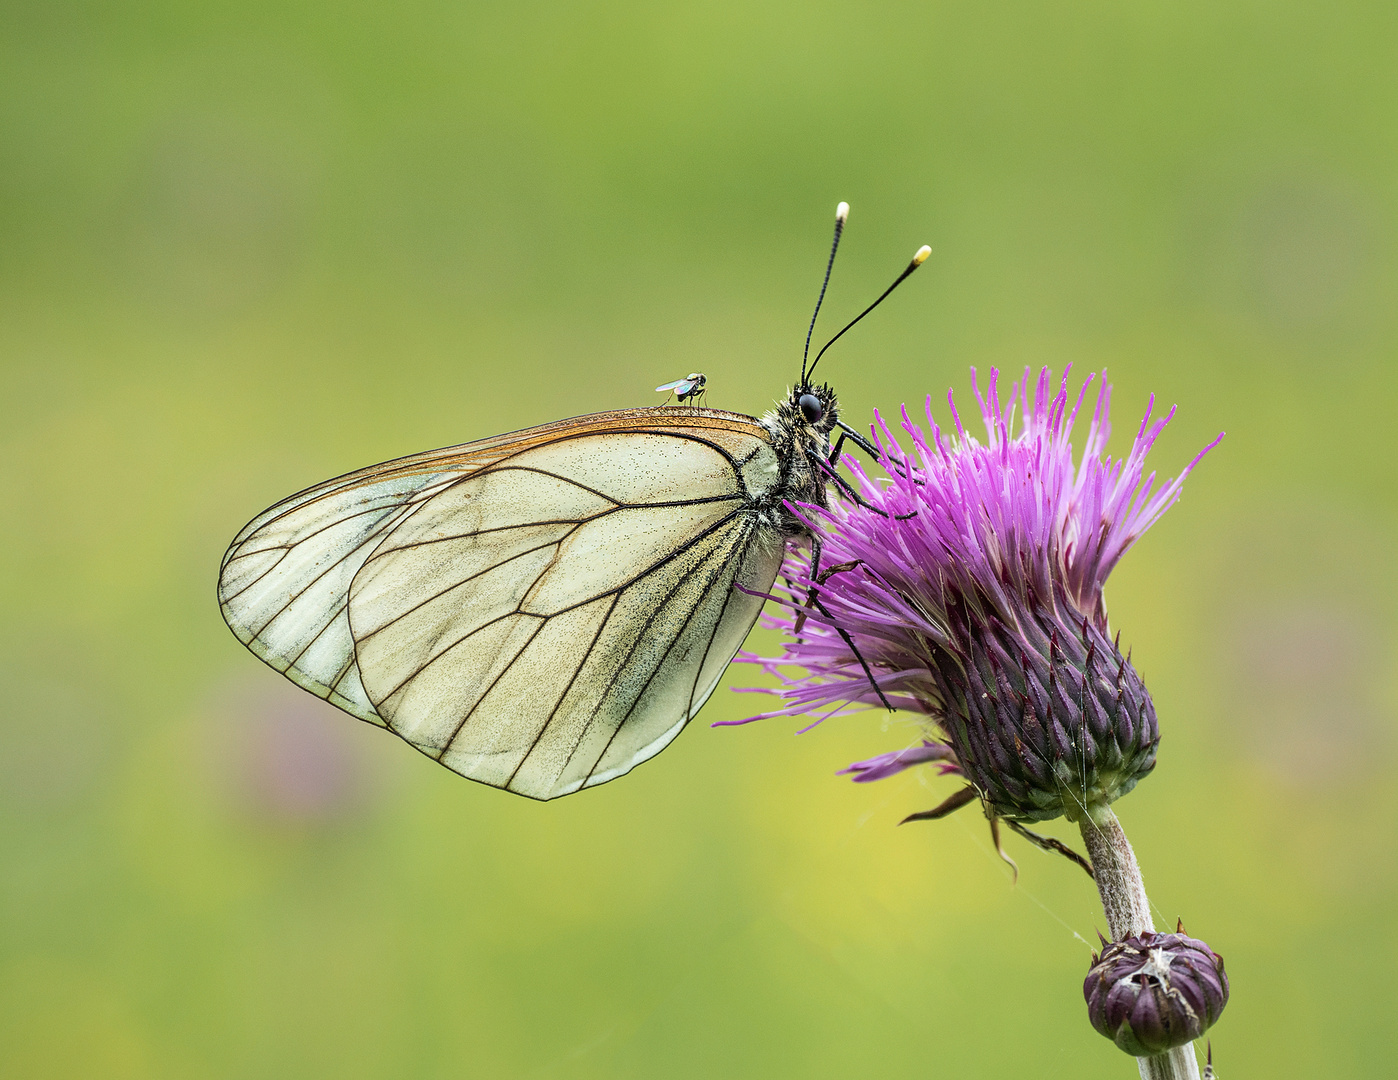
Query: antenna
[(918, 260), (841, 213)]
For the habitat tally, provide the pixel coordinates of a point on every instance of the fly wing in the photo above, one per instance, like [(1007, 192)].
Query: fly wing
[(555, 619), (422, 593)]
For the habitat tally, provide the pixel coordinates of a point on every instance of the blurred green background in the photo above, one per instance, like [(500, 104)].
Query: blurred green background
[(244, 247)]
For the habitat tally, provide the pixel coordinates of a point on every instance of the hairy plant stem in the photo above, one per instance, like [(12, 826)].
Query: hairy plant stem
[(1118, 878)]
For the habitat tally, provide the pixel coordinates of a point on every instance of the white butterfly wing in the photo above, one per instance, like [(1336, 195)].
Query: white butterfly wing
[(541, 612), (284, 583)]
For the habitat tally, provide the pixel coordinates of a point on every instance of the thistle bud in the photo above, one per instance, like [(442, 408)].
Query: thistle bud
[(1047, 718), (1152, 992)]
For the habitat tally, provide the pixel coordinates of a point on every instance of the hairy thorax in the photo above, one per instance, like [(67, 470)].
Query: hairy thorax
[(801, 447)]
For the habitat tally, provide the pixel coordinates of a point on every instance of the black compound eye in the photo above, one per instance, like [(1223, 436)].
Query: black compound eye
[(811, 408)]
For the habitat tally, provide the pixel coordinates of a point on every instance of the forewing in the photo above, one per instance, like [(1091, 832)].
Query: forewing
[(556, 618)]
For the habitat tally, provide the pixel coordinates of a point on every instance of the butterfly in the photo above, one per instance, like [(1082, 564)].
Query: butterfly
[(543, 610)]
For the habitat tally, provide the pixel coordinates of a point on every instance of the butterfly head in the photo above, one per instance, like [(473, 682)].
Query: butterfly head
[(805, 418), (810, 408)]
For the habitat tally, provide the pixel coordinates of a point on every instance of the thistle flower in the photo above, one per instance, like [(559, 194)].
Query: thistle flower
[(966, 585), (1151, 992)]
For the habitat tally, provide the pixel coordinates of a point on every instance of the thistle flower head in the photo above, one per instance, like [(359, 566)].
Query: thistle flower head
[(1151, 992), (967, 584)]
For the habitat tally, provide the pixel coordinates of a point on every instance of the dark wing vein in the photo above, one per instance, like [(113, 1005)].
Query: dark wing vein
[(333, 523), (464, 637), (575, 522), (457, 584), (426, 541), (486, 692), (545, 472), (727, 456), (417, 495), (721, 565), (582, 663), (374, 531), (344, 605), (350, 664), (699, 671), (373, 535), (517, 610), (708, 531)]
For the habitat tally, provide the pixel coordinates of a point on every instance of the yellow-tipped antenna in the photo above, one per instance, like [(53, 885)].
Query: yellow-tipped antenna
[(841, 215), (918, 259)]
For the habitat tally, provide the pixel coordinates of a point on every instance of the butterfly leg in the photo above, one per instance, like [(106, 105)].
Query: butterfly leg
[(847, 489), (859, 440), (816, 547), (813, 601), (844, 635), (886, 460), (820, 578), (817, 579), (847, 432)]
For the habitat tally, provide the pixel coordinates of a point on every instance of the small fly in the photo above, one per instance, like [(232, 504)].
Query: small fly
[(689, 389)]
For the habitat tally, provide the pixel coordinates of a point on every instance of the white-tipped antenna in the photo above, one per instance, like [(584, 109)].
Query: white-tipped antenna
[(841, 216), (919, 258)]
